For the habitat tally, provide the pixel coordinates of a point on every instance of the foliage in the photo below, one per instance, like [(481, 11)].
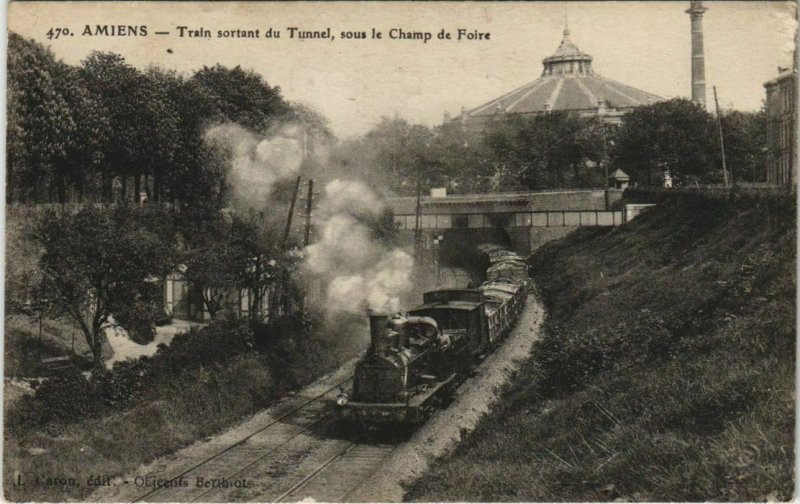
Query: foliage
[(679, 136), (71, 397), (97, 263), (39, 118), (143, 122), (221, 254), (203, 383), (559, 149), (21, 266), (745, 145), (240, 96), (552, 150), (258, 260), (88, 131), (547, 151)]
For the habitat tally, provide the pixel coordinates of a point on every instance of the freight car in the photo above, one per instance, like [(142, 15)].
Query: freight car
[(415, 361)]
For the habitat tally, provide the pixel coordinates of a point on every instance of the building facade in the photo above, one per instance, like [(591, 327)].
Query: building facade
[(781, 108)]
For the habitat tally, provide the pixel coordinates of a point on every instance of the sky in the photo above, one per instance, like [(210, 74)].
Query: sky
[(354, 83)]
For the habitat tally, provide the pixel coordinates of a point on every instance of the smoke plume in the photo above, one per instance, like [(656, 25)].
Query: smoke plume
[(357, 271), (256, 163), (360, 272)]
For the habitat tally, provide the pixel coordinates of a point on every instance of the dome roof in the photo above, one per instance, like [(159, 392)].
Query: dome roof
[(568, 83)]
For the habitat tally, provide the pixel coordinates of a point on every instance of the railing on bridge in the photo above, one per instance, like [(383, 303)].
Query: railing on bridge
[(556, 218)]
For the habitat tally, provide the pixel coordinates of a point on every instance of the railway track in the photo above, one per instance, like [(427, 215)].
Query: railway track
[(336, 478), (302, 416)]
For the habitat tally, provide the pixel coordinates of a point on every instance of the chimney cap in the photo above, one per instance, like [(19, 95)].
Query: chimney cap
[(696, 7)]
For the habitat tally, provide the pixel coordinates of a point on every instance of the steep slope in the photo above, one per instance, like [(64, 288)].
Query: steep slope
[(666, 371)]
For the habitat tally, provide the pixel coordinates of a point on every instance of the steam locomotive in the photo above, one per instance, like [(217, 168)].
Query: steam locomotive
[(415, 361)]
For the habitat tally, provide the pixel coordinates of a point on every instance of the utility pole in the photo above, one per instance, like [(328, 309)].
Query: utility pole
[(277, 297), (721, 140), (307, 237), (309, 208), (417, 226), (288, 227)]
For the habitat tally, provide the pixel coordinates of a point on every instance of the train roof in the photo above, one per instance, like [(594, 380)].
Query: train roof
[(515, 262), (507, 288), (452, 305)]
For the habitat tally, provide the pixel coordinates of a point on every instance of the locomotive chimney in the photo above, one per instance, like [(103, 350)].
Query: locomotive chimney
[(378, 328)]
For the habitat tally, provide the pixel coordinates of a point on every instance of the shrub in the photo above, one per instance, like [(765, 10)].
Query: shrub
[(71, 397)]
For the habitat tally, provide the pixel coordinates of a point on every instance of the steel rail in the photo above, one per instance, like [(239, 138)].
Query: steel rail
[(245, 439), (265, 455), (358, 485), (303, 482)]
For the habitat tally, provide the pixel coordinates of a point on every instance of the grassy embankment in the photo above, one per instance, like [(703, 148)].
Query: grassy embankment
[(75, 431), (152, 420), (666, 371)]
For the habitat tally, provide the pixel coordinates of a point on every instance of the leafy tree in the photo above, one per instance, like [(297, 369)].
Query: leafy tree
[(209, 258), (545, 151), (97, 263), (551, 150), (745, 144), (259, 258), (315, 124), (394, 153), (39, 120), (241, 96), (463, 157), (192, 172), (143, 123), (87, 143), (675, 135)]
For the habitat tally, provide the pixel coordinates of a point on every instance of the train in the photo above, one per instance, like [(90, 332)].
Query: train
[(415, 361)]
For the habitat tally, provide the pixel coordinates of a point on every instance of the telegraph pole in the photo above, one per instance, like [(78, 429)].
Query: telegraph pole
[(291, 213), (277, 297), (309, 207), (307, 238), (721, 140), (417, 226)]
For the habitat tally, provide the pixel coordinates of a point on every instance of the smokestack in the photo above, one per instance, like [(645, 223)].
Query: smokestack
[(696, 11), (378, 329)]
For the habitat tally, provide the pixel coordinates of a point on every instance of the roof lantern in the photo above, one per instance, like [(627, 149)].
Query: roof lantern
[(567, 59)]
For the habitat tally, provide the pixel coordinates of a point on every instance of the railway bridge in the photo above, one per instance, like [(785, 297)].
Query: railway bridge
[(522, 221)]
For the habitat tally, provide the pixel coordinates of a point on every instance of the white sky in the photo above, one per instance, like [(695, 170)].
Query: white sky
[(354, 83)]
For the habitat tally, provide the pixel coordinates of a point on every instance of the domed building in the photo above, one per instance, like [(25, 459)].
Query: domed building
[(568, 82)]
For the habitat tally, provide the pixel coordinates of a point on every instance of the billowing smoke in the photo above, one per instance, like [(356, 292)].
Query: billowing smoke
[(257, 163), (360, 272), (357, 270)]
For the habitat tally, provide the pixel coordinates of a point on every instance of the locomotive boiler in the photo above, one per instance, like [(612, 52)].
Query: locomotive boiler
[(415, 361)]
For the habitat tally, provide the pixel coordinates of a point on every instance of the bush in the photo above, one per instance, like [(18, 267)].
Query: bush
[(71, 397)]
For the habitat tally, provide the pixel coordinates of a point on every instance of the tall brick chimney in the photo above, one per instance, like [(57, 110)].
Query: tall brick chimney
[(696, 11)]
